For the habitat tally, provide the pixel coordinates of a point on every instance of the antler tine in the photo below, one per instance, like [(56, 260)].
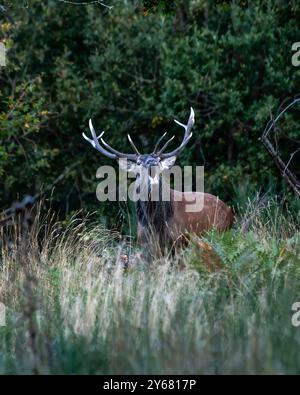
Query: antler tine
[(189, 125), (178, 150), (118, 153), (95, 142), (158, 141), (133, 145), (114, 154), (187, 135), (114, 151), (165, 146)]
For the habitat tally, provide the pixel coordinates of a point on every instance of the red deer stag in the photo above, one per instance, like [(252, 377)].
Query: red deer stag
[(166, 221)]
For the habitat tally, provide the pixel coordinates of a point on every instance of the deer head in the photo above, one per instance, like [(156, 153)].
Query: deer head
[(147, 166)]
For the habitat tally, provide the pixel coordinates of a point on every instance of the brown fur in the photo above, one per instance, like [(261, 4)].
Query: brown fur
[(214, 214)]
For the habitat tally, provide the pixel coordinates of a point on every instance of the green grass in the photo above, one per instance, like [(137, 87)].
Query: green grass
[(73, 308)]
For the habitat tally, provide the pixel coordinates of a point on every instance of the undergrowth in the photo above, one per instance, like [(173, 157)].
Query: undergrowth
[(83, 300)]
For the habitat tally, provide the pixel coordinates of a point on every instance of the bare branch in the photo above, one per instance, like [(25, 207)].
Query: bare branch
[(87, 3), (287, 174)]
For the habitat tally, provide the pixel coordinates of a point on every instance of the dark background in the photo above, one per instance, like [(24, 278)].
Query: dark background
[(134, 69)]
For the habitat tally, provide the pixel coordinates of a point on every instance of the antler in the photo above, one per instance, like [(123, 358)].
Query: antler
[(165, 146), (158, 141), (133, 145), (186, 138), (112, 153)]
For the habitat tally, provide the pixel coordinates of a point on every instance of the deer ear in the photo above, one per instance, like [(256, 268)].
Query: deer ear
[(167, 163), (127, 165)]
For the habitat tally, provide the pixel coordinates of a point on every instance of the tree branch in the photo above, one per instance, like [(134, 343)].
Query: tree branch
[(87, 3), (291, 178)]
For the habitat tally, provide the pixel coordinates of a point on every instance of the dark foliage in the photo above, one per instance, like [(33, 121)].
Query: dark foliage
[(134, 68)]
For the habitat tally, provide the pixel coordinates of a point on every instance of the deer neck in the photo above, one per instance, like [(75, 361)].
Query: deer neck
[(155, 213)]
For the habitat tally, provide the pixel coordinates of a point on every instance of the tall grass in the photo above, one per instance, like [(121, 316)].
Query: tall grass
[(223, 305)]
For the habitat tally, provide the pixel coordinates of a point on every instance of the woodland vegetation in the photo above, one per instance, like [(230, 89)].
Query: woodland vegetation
[(79, 295), (134, 68)]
